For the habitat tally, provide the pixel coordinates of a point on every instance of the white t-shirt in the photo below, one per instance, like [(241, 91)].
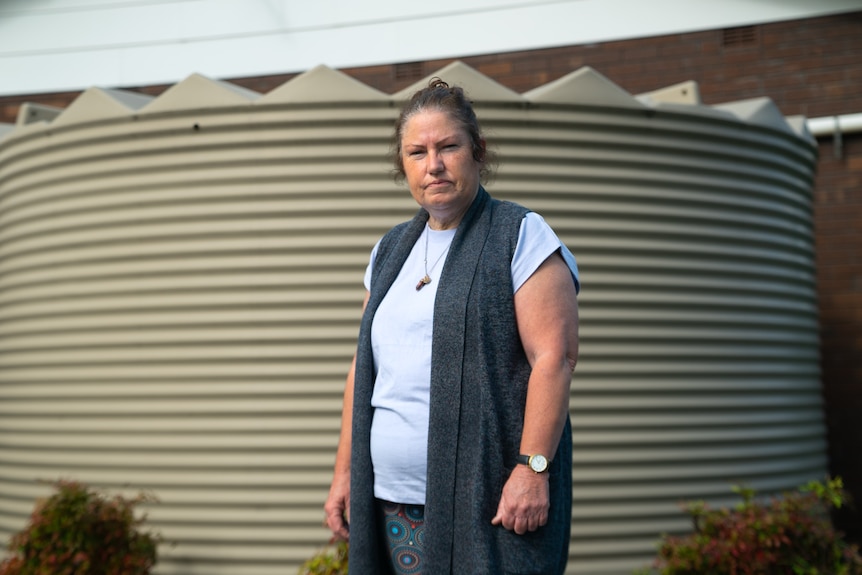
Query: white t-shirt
[(401, 343)]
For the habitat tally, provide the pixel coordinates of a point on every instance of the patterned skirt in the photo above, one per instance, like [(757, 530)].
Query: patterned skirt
[(404, 527)]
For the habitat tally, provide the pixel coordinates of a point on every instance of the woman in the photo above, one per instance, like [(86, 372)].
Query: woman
[(455, 448)]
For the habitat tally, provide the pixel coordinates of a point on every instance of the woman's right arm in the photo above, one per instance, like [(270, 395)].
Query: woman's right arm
[(337, 506)]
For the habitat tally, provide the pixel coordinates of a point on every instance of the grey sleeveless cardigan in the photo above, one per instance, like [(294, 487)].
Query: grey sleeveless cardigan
[(479, 375)]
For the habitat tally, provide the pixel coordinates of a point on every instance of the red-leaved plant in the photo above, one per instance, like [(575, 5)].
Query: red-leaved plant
[(331, 560), (790, 534), (80, 532)]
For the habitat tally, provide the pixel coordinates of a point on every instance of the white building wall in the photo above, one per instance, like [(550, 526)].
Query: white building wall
[(59, 45)]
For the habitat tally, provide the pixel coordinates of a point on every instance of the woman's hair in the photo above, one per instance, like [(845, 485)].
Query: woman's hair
[(440, 97)]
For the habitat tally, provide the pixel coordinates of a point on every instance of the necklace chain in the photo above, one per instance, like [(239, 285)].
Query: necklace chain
[(426, 279)]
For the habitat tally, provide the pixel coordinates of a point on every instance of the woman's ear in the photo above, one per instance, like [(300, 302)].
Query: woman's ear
[(479, 151)]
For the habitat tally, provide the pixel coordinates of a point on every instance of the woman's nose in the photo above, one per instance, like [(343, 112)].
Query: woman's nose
[(435, 162)]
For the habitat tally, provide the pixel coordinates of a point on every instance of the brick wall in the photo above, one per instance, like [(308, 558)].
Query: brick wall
[(838, 233), (809, 67)]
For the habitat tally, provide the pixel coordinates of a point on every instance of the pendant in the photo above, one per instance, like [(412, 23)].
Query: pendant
[(423, 282)]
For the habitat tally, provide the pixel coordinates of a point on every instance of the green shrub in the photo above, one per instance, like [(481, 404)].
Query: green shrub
[(791, 534), (331, 560), (79, 532)]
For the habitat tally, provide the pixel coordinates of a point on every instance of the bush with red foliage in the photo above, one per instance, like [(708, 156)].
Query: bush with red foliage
[(790, 534), (80, 532)]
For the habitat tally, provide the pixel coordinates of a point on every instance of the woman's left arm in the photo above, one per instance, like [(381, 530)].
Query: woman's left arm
[(546, 309)]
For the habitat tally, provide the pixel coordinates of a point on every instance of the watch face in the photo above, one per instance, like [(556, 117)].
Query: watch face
[(538, 463)]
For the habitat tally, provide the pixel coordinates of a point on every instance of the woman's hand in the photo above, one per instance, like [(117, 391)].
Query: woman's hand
[(525, 501), (337, 507)]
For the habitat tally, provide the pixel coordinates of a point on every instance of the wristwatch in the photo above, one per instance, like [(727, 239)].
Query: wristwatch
[(537, 462)]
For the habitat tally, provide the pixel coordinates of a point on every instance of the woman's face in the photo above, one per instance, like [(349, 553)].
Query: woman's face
[(438, 163)]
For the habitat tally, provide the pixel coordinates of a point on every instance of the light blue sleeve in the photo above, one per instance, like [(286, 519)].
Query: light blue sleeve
[(537, 241), (367, 279)]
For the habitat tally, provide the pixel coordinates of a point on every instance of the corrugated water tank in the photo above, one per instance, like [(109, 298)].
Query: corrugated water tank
[(181, 282)]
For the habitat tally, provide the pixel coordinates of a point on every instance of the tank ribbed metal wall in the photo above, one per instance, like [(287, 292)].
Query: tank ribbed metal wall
[(180, 287)]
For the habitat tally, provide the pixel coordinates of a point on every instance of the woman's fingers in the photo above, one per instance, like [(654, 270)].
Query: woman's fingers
[(524, 503), (335, 508)]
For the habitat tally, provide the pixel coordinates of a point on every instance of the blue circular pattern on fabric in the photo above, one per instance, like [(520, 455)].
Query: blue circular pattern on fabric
[(414, 512), (405, 535), (407, 559), (397, 529), (419, 536)]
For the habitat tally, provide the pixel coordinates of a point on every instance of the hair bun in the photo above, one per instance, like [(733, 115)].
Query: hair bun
[(436, 82)]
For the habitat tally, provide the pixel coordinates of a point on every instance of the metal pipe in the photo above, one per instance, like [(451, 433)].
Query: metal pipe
[(829, 125), (835, 126)]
